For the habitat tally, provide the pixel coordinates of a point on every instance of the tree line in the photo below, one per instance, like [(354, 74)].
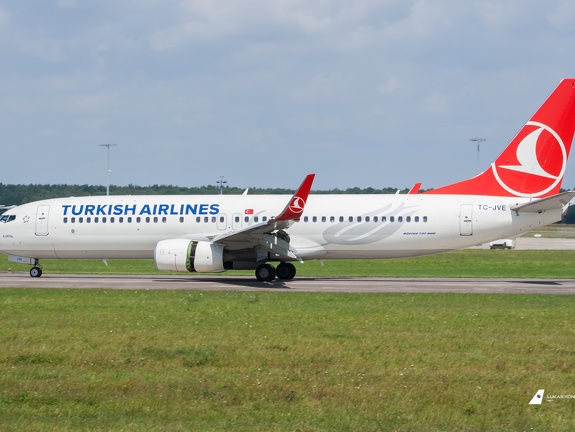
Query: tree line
[(17, 194)]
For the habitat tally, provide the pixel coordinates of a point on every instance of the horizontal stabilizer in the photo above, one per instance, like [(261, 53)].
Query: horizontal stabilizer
[(555, 202)]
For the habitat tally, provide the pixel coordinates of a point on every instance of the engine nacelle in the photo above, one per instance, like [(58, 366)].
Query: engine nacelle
[(181, 255)]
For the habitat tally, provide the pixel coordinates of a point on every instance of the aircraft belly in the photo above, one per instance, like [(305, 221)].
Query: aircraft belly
[(378, 254), (109, 247), (104, 254), (32, 253)]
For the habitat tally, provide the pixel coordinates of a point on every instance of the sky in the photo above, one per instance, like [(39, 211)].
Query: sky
[(364, 93)]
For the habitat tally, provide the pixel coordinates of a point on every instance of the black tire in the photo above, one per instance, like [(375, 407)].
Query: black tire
[(265, 273), (285, 271), (35, 272)]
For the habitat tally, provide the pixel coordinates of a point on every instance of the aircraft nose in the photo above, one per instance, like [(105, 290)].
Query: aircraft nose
[(6, 236)]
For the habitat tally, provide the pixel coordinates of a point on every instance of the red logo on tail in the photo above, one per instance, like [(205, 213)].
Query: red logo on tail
[(535, 165), (297, 205)]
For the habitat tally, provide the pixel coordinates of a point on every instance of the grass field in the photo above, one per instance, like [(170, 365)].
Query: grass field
[(466, 263), (96, 360), (168, 361)]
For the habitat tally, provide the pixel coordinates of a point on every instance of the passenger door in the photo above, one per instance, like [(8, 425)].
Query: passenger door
[(42, 220)]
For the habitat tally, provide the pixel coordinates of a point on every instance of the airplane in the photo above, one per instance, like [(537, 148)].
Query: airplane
[(518, 192)]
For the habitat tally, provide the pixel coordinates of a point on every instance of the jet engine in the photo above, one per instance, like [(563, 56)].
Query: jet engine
[(181, 255)]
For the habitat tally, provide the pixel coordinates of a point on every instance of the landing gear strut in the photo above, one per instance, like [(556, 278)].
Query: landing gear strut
[(267, 272)]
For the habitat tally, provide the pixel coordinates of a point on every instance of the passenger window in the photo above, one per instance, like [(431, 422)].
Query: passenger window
[(256, 219), (408, 219), (181, 219), (384, 218), (323, 219), (314, 219), (424, 218), (400, 219), (416, 218), (351, 218), (305, 219), (375, 218), (155, 219), (367, 218), (73, 220), (65, 220), (80, 220), (359, 218), (392, 219), (332, 218), (164, 219), (341, 218)]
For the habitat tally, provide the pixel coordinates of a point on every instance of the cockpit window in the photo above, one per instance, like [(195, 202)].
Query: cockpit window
[(7, 218)]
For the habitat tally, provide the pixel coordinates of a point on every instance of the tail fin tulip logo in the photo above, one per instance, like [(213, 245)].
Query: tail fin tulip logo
[(538, 398), (297, 205), (540, 153)]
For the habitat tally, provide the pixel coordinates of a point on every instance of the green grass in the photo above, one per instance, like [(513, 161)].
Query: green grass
[(169, 361), (553, 231), (467, 263)]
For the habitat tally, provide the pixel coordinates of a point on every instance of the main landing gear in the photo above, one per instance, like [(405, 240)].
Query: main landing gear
[(267, 272)]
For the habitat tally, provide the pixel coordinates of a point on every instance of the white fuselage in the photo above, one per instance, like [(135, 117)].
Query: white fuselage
[(332, 226)]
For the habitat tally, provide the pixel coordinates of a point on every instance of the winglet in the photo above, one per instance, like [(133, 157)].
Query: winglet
[(415, 189), (295, 207)]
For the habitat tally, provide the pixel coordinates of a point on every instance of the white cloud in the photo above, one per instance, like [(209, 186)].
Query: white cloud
[(346, 24), (201, 80), (67, 3), (389, 86), (3, 17), (321, 86)]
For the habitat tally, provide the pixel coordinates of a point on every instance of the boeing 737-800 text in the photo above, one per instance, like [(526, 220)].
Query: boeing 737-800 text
[(520, 191)]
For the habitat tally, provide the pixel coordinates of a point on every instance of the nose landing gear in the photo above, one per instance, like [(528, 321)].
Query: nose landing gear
[(36, 271)]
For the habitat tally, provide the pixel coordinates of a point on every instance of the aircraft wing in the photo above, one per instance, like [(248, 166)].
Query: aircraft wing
[(270, 235), (551, 203)]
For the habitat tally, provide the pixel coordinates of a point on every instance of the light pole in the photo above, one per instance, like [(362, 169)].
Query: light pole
[(478, 141), (109, 170), (221, 182)]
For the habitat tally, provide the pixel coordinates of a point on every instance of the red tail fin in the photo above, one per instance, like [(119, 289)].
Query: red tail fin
[(534, 162)]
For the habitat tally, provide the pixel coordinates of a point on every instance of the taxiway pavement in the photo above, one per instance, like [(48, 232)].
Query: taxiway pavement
[(302, 284)]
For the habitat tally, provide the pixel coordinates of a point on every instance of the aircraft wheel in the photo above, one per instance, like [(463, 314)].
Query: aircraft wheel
[(285, 271), (265, 273), (35, 272)]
